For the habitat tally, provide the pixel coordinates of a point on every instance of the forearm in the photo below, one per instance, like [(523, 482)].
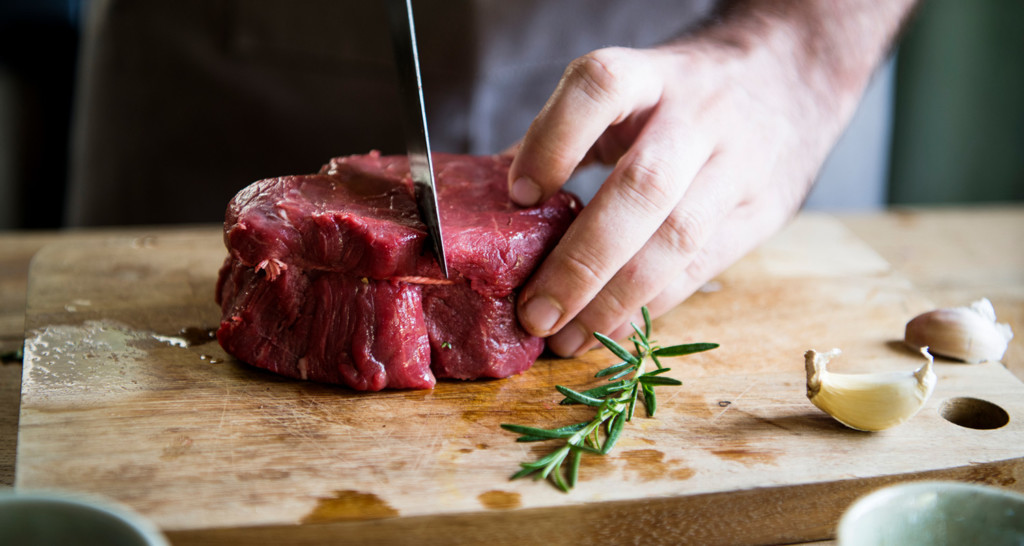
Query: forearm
[(832, 47)]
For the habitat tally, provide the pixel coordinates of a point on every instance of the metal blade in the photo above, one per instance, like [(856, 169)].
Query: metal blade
[(414, 115)]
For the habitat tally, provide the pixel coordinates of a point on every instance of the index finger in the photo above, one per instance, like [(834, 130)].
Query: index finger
[(596, 91), (644, 188)]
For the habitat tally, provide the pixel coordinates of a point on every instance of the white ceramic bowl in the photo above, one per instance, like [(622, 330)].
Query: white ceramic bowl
[(47, 518), (934, 513)]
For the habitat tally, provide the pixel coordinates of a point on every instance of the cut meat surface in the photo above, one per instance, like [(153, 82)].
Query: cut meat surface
[(328, 277)]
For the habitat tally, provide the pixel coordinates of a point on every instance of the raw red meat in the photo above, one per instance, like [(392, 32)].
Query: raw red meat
[(328, 278)]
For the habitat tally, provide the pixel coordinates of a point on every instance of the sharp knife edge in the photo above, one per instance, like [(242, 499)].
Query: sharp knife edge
[(414, 116)]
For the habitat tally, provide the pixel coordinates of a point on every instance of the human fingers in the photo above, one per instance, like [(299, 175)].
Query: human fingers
[(512, 150), (665, 257), (599, 90), (724, 248), (725, 212), (743, 230), (630, 207)]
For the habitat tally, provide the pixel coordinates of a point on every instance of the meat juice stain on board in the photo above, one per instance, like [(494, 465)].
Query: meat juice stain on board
[(500, 500), (642, 465), (740, 451), (350, 505), (646, 464), (745, 456)]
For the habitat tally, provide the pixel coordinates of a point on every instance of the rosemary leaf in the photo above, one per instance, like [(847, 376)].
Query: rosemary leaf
[(563, 432), (647, 321), (615, 348), (641, 338), (680, 350), (574, 467), (526, 471), (578, 396), (547, 460), (649, 400), (659, 380), (556, 461), (614, 430), (632, 404), (560, 480), (612, 369), (538, 432), (601, 391), (621, 374)]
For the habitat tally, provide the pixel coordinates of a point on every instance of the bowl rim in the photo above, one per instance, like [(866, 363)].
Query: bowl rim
[(89, 502), (868, 501)]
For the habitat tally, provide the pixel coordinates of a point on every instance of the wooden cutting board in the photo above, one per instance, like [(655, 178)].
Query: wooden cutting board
[(126, 394)]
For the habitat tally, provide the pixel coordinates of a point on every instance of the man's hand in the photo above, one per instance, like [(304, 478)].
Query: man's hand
[(716, 140)]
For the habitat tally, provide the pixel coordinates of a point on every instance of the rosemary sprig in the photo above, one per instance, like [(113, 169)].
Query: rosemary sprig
[(615, 403)]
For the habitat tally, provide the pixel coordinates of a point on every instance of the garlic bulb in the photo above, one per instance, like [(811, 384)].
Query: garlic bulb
[(970, 334), (868, 401)]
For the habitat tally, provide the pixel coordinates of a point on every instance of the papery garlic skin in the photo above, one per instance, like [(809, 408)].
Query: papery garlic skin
[(869, 401), (970, 334)]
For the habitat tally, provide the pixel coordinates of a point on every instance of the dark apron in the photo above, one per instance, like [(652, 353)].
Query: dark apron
[(180, 104)]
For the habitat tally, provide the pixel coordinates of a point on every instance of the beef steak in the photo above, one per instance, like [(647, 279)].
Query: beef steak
[(328, 277)]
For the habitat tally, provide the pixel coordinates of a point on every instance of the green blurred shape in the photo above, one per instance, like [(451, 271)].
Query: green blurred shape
[(958, 132)]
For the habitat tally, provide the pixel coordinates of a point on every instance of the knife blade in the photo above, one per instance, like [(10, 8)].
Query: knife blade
[(414, 116)]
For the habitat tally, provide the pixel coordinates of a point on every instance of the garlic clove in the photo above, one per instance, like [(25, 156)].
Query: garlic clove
[(970, 334), (868, 401)]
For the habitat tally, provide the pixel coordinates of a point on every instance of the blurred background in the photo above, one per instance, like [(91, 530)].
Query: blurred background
[(957, 129), (38, 53)]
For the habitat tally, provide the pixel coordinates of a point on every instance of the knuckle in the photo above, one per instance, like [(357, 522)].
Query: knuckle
[(599, 74), (583, 272), (684, 231), (621, 298), (701, 269), (646, 182), (615, 305)]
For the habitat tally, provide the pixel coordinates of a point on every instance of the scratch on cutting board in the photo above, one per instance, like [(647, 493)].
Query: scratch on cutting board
[(223, 418), (428, 453), (223, 410), (733, 401), (298, 425)]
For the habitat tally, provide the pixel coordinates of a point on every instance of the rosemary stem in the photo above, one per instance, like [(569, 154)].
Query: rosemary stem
[(615, 404)]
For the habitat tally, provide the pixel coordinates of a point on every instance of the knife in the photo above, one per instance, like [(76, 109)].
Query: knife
[(414, 116)]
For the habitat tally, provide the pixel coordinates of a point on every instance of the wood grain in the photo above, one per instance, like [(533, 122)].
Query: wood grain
[(124, 395), (955, 256), (17, 248)]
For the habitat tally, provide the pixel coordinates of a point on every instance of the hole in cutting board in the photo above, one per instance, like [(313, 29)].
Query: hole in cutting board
[(973, 413)]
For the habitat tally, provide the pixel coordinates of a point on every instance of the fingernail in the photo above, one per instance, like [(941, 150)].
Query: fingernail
[(525, 192), (540, 314), (568, 340)]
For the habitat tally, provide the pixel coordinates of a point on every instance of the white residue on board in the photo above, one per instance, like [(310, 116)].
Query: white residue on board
[(173, 341), (77, 356), (75, 304)]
